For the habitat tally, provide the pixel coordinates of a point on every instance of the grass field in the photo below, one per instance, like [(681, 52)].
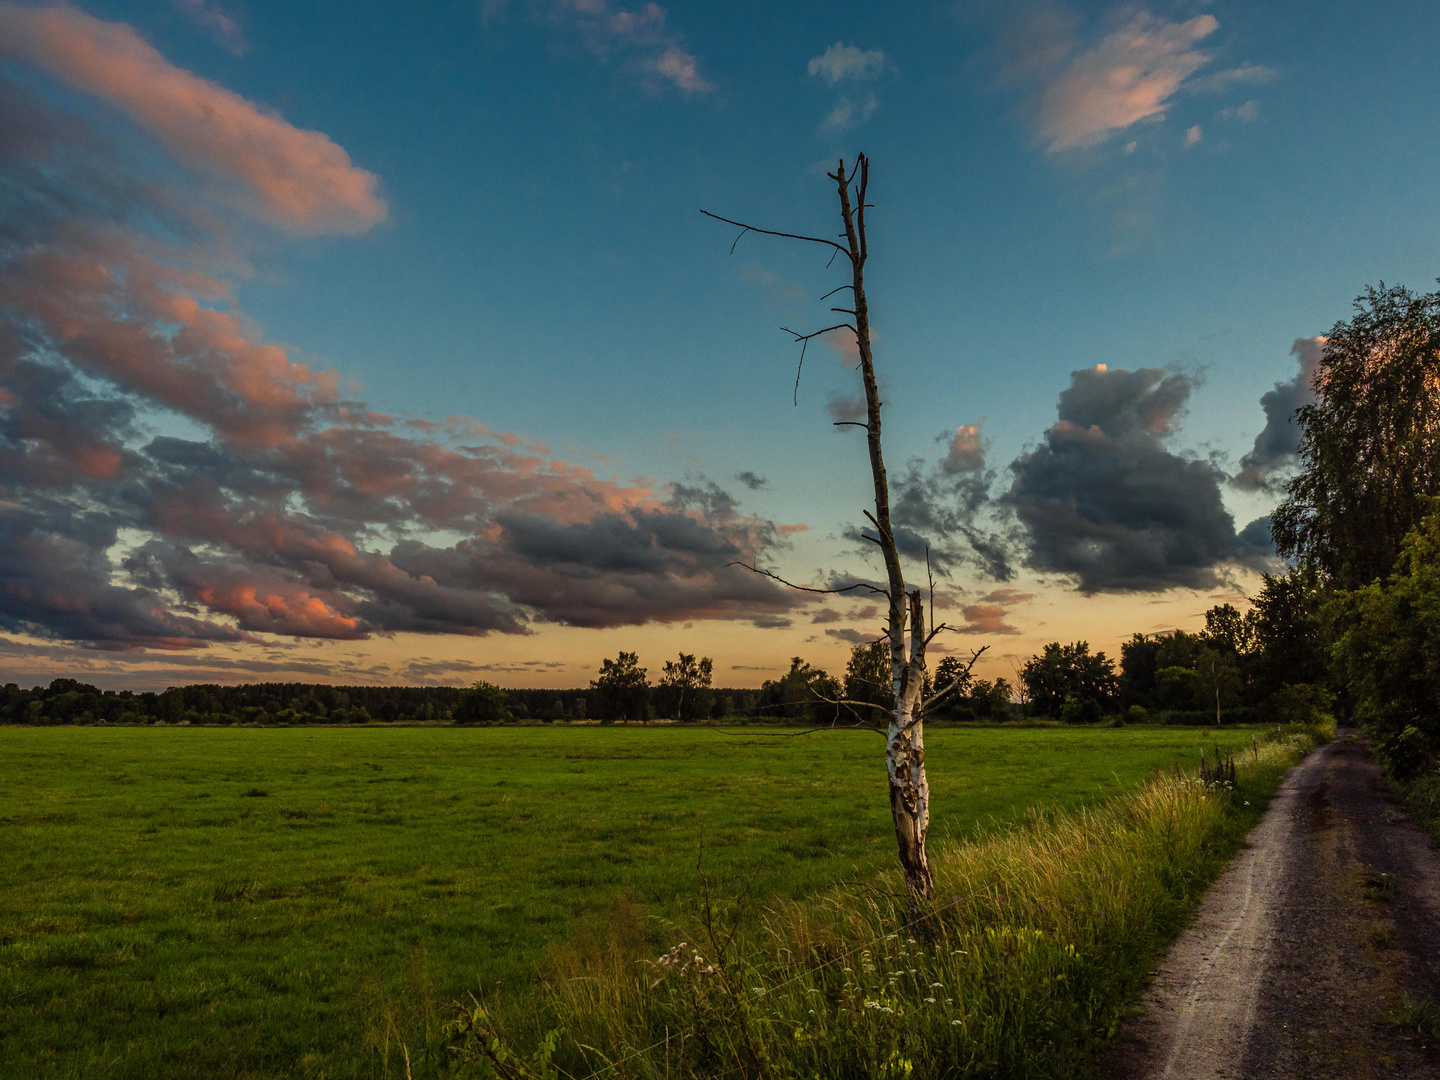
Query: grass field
[(275, 902)]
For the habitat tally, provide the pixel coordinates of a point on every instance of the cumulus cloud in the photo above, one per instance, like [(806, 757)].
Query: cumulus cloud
[(1194, 134), (943, 512), (1104, 500), (966, 450), (1277, 447), (751, 480), (289, 509), (218, 22), (299, 180)]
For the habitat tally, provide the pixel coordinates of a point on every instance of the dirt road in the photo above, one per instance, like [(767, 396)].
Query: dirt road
[(1303, 955)]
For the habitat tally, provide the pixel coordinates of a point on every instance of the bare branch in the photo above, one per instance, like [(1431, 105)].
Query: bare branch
[(772, 232), (956, 683), (809, 731), (805, 588), (935, 628), (882, 532), (848, 423), (806, 337), (837, 288)]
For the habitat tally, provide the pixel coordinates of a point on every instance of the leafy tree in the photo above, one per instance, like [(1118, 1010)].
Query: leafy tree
[(684, 692), (483, 703), (1218, 679), (1068, 671), (1387, 639), (1370, 442), (622, 689), (867, 676), (988, 700), (1289, 634), (1229, 631), (1138, 664), (803, 693), (1179, 649)]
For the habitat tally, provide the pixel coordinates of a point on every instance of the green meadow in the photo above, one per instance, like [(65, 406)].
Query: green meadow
[(228, 902)]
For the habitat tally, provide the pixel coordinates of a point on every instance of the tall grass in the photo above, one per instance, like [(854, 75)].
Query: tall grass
[(1036, 940)]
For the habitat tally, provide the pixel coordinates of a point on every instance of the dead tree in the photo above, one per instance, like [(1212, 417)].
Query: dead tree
[(903, 725)]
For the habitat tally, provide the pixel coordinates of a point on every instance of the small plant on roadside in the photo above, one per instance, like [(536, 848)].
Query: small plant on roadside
[(469, 1046), (1417, 1018)]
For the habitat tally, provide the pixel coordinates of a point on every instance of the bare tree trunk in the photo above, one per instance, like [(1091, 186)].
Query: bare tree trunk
[(905, 729), (905, 736)]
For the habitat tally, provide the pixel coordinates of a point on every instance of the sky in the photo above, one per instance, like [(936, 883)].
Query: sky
[(381, 343)]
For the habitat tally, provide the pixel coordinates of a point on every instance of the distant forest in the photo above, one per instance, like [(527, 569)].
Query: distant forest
[(68, 701)]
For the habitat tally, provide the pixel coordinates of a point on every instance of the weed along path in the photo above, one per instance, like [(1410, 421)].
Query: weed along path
[(1316, 954)]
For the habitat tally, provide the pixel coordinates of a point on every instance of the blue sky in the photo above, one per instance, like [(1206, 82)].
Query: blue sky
[(1188, 187)]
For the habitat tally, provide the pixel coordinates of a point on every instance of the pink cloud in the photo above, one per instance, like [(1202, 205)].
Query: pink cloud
[(298, 180), (1126, 77)]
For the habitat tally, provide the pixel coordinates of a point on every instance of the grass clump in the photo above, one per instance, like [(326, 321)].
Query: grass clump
[(1038, 936)]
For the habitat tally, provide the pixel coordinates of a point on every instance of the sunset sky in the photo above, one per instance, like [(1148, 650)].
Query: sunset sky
[(386, 343)]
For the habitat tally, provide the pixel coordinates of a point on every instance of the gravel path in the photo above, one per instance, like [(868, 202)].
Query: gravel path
[(1302, 953)]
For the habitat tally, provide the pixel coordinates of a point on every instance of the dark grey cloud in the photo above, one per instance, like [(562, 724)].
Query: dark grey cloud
[(844, 408), (751, 480), (854, 637), (1104, 500), (1257, 535), (1277, 447), (946, 508)]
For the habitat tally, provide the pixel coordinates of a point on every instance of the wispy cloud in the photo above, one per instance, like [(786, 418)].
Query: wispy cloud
[(842, 63), (1128, 76), (1247, 113), (1218, 82), (638, 38), (219, 22), (296, 179)]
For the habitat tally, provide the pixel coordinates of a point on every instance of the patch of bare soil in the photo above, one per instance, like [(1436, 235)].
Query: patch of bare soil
[(1304, 955)]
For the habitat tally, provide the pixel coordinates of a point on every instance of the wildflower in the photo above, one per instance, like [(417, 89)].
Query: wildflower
[(955, 1023), (935, 985), (872, 1005), (930, 1001)]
